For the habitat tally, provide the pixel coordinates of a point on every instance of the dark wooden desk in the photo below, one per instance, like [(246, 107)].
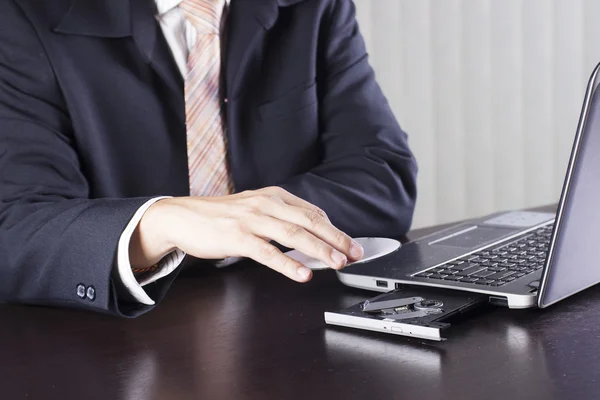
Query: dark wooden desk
[(249, 333)]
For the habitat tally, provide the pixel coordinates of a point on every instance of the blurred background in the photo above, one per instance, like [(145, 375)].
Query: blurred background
[(489, 92)]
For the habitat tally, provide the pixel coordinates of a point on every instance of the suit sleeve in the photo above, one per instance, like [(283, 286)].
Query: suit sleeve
[(55, 242), (367, 180)]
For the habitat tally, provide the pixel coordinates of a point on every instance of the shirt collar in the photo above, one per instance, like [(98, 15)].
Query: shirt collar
[(164, 6)]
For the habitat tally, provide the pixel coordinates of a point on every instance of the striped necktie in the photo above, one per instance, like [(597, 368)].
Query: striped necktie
[(206, 141)]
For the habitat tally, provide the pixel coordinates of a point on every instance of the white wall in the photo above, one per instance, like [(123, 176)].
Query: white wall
[(489, 92)]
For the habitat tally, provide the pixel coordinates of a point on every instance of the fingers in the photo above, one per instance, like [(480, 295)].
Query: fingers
[(290, 199), (270, 256), (295, 236), (315, 221), (274, 214)]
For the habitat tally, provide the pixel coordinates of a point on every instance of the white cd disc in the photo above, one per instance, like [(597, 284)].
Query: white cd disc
[(373, 247)]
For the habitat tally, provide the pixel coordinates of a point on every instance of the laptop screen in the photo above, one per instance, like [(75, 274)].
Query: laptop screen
[(573, 263)]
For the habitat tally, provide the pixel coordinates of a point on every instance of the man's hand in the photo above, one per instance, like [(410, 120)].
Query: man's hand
[(242, 225)]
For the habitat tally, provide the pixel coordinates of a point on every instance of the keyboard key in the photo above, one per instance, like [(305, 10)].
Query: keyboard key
[(472, 270), (509, 279), (529, 271), (496, 269), (437, 270), (500, 275), (507, 265), (437, 276), (484, 282), (468, 280), (464, 266), (533, 265), (453, 278), (448, 272), (482, 274), (489, 264)]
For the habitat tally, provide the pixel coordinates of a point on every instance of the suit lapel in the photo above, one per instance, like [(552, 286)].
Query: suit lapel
[(247, 23), (148, 38), (122, 19)]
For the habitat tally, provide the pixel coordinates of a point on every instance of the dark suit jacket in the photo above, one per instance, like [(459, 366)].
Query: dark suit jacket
[(92, 126)]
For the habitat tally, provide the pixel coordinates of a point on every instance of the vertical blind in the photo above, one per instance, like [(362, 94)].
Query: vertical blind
[(489, 92)]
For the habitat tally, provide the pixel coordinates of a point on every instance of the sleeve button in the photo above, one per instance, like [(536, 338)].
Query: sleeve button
[(81, 291), (91, 293)]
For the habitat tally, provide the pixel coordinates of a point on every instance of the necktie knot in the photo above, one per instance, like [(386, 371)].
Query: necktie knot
[(205, 15)]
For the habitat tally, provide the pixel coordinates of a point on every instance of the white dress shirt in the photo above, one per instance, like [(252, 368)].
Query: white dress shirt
[(181, 37)]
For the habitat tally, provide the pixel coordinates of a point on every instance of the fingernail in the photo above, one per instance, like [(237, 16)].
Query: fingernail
[(303, 273), (356, 250), (338, 258)]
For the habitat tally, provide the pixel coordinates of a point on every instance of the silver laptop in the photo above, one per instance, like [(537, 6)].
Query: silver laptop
[(520, 259)]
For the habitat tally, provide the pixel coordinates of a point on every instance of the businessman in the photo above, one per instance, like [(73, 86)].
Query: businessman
[(134, 133)]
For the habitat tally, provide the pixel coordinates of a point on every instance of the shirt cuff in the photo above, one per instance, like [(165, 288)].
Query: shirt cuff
[(166, 266)]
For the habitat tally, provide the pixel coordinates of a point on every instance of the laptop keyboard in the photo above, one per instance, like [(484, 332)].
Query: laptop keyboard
[(498, 265)]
